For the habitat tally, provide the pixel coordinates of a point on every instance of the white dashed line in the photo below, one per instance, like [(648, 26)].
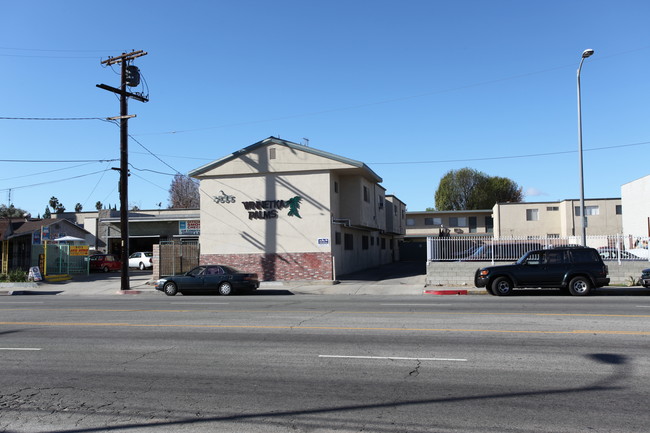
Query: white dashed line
[(400, 358)]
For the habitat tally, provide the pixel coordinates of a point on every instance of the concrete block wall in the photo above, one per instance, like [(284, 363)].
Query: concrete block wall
[(462, 273)]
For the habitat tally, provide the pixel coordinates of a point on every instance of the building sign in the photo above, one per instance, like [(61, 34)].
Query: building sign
[(191, 227), (224, 198), (78, 250), (45, 233), (323, 242), (268, 209), (36, 237)]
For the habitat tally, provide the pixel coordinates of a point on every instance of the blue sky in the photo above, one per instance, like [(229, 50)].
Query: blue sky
[(412, 88)]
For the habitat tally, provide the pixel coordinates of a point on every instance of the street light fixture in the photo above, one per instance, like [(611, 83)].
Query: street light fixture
[(583, 217)]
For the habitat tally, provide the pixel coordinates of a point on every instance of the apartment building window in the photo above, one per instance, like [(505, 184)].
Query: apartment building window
[(272, 153), (364, 242), (457, 221), (619, 209), (348, 241), (473, 225), (337, 238), (366, 196), (336, 187), (433, 222), (410, 221), (552, 208), (383, 243), (489, 224), (553, 235), (589, 210), (532, 214)]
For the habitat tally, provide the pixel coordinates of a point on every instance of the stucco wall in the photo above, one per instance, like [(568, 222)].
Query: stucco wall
[(636, 207), (230, 228)]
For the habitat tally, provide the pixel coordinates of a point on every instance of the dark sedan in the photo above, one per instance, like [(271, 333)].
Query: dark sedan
[(219, 279)]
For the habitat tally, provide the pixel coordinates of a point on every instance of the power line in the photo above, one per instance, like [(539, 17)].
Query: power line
[(52, 118), (490, 158), (53, 181), (54, 161)]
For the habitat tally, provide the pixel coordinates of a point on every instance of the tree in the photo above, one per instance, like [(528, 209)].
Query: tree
[(184, 193), (47, 214), (99, 205), (12, 212), (56, 206), (78, 207), (469, 189)]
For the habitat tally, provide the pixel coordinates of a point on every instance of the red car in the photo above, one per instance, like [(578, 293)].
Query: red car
[(104, 262)]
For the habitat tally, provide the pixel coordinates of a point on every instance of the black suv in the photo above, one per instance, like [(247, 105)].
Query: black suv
[(575, 269)]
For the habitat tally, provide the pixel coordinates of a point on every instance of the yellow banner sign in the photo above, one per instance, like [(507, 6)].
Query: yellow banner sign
[(78, 250)]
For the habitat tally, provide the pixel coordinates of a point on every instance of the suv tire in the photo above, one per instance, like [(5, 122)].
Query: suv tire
[(580, 286), (502, 286)]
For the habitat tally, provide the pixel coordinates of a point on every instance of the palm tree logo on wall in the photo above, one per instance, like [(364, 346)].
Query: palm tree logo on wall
[(294, 205)]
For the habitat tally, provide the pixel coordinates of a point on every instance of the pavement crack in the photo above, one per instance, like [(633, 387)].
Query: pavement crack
[(312, 318), (146, 354), (416, 371)]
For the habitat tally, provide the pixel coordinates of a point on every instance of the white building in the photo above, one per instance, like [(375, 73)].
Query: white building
[(636, 199)]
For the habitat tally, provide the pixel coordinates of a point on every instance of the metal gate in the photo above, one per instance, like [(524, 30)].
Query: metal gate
[(178, 257)]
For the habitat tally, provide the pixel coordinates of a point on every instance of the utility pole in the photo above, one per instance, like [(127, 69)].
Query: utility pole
[(130, 76)]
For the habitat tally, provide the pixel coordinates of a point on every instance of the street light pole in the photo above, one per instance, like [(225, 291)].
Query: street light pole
[(583, 217)]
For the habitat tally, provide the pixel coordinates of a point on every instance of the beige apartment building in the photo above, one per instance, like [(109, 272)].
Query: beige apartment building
[(526, 219), (557, 219), (292, 212), (420, 224)]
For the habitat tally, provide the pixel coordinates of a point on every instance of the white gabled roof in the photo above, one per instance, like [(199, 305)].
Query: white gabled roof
[(295, 146)]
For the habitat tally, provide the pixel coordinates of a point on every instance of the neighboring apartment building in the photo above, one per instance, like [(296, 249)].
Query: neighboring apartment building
[(635, 196), (292, 212), (557, 219), (421, 224)]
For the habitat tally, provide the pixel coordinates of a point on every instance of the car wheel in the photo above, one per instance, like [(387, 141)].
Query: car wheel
[(141, 266), (579, 286), (105, 269), (170, 288), (502, 287), (489, 290), (225, 288)]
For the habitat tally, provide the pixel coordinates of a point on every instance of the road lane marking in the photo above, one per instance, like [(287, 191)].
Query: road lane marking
[(327, 328), (414, 305), (432, 313), (20, 302), (20, 348), (398, 358), (199, 303)]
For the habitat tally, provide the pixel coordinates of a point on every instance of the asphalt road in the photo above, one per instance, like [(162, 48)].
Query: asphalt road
[(324, 363)]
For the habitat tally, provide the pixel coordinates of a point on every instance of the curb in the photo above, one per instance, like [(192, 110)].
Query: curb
[(446, 292)]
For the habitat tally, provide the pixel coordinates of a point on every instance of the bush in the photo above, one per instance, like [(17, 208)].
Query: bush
[(14, 276)]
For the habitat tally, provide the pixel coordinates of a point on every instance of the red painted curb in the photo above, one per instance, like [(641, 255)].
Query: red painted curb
[(128, 292), (445, 292)]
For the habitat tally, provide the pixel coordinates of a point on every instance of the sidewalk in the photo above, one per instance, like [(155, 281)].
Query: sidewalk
[(399, 279)]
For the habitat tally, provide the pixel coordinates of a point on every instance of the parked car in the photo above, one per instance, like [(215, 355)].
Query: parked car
[(104, 262), (502, 251), (645, 278), (219, 279), (141, 260), (613, 254), (574, 269)]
